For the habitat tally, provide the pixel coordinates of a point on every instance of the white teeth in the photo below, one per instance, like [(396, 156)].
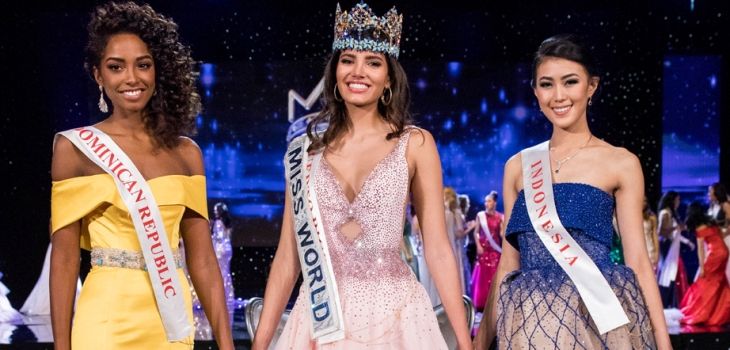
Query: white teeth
[(561, 109), (357, 86), (132, 93)]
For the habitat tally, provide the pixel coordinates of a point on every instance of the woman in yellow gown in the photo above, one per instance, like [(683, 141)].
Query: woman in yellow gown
[(135, 57)]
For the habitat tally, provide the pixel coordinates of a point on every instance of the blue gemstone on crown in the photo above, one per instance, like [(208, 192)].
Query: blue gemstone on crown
[(362, 30)]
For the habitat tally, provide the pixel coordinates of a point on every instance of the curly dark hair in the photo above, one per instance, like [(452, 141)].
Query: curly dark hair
[(335, 113), (171, 112)]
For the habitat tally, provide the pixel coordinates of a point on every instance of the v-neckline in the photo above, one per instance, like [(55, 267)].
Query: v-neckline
[(335, 173)]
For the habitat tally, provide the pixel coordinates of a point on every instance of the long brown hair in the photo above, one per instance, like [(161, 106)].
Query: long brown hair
[(451, 198), (335, 113)]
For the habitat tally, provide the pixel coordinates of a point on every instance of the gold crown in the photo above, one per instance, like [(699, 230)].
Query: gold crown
[(362, 30)]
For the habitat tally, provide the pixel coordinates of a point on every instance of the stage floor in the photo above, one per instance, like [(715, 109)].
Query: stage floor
[(34, 332)]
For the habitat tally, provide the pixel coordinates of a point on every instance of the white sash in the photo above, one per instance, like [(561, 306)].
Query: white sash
[(319, 279), (670, 265), (597, 295), (482, 217), (145, 213)]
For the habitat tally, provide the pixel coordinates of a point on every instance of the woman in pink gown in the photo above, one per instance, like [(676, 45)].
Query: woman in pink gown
[(707, 301), (365, 165), (487, 254)]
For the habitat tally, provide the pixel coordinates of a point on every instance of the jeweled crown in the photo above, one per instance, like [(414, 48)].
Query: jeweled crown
[(362, 30)]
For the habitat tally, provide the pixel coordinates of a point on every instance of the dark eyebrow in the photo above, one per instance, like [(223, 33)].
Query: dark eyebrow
[(119, 59), (571, 75), (373, 57), (348, 55)]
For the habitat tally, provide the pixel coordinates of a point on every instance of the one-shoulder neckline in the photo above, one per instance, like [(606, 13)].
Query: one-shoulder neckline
[(154, 179), (583, 184)]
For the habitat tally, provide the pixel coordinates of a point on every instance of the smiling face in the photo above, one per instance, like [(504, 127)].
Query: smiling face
[(127, 73), (562, 88), (362, 76)]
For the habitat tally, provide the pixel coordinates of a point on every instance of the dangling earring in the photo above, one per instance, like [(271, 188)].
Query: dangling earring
[(390, 96), (102, 103), (337, 99), (590, 101)]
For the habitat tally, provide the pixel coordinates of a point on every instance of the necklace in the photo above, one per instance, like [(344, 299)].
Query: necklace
[(560, 162)]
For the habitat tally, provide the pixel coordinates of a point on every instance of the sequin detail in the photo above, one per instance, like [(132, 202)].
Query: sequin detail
[(539, 305), (383, 303), (128, 259)]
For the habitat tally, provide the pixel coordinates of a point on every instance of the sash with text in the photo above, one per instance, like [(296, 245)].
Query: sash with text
[(597, 295), (145, 213), (325, 309)]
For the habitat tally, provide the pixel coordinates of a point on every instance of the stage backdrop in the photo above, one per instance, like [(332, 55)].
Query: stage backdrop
[(468, 64)]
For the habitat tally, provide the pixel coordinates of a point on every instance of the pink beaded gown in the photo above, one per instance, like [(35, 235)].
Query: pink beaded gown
[(384, 306)]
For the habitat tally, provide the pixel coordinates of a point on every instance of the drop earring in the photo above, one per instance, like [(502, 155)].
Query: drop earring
[(103, 107)]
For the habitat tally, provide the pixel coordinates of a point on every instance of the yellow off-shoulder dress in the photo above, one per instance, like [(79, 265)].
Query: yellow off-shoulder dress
[(117, 308)]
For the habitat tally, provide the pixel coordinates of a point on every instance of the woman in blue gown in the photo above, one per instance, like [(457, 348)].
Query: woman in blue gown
[(537, 305)]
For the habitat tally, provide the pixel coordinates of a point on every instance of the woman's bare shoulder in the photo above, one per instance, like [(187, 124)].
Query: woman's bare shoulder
[(615, 153), (191, 155), (513, 171), (67, 161)]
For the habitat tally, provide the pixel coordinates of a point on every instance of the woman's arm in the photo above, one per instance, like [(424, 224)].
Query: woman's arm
[(686, 241), (206, 276), (470, 226), (701, 256), (281, 280), (65, 250), (508, 262), (629, 203), (65, 255), (475, 233), (427, 190)]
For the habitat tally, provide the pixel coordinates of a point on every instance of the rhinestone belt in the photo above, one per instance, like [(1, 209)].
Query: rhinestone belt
[(128, 259)]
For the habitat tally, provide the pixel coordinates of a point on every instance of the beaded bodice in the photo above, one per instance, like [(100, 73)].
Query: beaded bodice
[(586, 213), (379, 211)]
